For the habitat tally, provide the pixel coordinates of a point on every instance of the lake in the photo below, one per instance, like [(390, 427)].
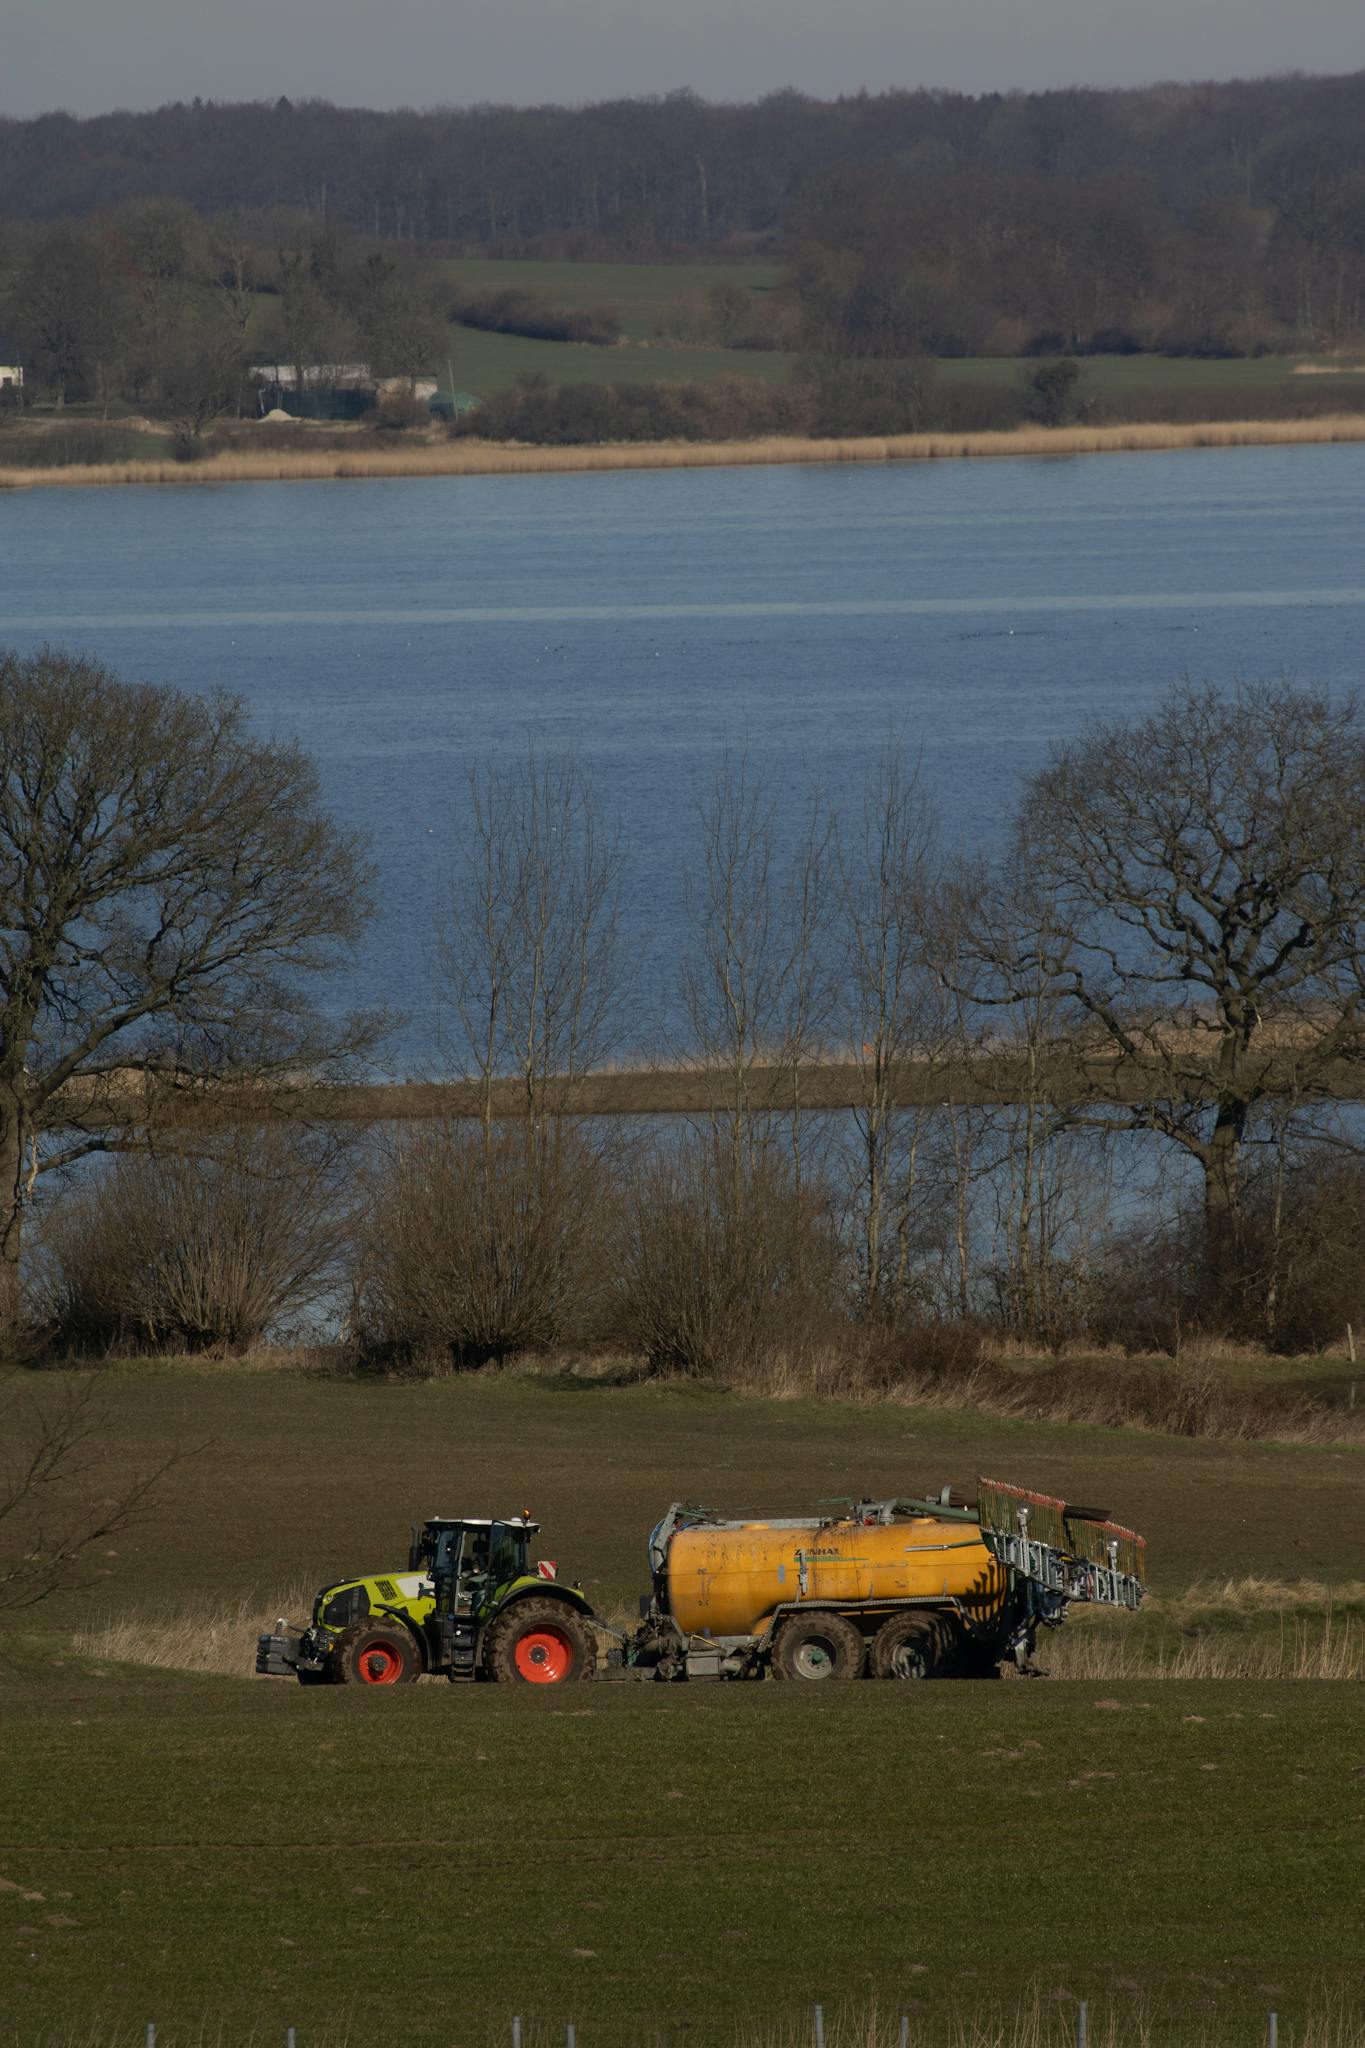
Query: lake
[(982, 610)]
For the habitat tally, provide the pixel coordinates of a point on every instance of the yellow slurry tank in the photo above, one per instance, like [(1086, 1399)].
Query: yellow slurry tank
[(729, 1579), (904, 1588)]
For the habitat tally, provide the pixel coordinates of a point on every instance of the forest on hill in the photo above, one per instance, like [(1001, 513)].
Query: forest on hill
[(642, 175)]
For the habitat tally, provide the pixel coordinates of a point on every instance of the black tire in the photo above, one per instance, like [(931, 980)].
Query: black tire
[(818, 1646), (540, 1642), (915, 1645), (376, 1653)]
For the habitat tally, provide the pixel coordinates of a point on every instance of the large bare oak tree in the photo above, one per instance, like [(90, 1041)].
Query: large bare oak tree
[(169, 889), (1203, 871)]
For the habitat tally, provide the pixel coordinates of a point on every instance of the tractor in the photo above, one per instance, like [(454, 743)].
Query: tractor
[(471, 1605)]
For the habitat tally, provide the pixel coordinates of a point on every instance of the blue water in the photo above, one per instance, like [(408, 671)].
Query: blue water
[(980, 610)]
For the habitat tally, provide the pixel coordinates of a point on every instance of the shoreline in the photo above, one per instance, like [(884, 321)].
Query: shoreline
[(487, 458)]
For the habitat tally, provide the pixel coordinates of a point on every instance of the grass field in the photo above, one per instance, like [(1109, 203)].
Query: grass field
[(640, 293), (228, 1856)]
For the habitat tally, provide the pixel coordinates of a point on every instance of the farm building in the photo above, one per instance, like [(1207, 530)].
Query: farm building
[(330, 390)]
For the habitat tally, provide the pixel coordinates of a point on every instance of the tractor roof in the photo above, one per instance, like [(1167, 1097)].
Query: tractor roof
[(481, 1522)]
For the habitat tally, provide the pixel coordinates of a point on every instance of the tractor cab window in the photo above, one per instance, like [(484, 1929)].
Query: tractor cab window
[(474, 1553), (508, 1553)]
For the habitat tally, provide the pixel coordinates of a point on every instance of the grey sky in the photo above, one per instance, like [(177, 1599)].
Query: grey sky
[(92, 55)]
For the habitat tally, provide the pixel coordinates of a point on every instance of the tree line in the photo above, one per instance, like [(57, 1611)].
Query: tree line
[(153, 304), (1167, 964), (1219, 213)]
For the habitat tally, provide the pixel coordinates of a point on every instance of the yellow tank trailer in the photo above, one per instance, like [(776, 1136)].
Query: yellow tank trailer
[(895, 1589)]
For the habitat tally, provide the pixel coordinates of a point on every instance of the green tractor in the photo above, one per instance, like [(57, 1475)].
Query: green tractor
[(470, 1605)]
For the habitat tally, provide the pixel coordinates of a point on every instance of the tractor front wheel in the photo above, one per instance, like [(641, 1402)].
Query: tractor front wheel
[(540, 1642), (377, 1653)]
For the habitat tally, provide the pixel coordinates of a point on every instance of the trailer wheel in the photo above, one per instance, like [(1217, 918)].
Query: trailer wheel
[(914, 1646), (377, 1653), (540, 1642), (818, 1646)]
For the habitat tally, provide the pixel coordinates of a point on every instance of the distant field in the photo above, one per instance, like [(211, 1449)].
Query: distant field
[(227, 1856), (640, 293)]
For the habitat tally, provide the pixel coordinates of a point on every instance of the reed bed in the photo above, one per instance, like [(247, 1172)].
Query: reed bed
[(484, 458)]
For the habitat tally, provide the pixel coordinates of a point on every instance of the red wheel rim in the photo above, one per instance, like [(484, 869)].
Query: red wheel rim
[(379, 1664), (543, 1656)]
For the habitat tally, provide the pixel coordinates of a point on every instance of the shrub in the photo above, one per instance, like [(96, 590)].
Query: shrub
[(210, 1246), (65, 446), (476, 1246), (399, 412), (1054, 397), (546, 414), (726, 1276), (873, 397), (509, 311)]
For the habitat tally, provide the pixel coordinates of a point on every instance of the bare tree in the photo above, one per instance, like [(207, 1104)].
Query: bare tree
[(756, 986), (894, 1009), (169, 889), (1204, 870), (528, 950), (52, 1523), (473, 1247), (200, 380)]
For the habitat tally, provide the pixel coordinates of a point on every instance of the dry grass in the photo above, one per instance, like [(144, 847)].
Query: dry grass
[(1203, 1635), (220, 1640), (1220, 1632), (481, 458), (1047, 2018), (1149, 1395)]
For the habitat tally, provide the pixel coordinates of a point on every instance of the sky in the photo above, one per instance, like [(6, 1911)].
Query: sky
[(89, 56)]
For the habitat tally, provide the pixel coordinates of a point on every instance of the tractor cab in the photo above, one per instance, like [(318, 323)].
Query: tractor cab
[(470, 1560)]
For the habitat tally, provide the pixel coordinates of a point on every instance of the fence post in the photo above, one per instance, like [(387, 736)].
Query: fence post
[(570, 2035), (1082, 2024), (905, 2030), (290, 2038), (819, 2026), (516, 2033), (1273, 2029), (151, 2034)]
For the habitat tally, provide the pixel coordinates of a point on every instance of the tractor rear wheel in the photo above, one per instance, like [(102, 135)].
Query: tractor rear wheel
[(818, 1646), (377, 1653), (914, 1646), (540, 1642)]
